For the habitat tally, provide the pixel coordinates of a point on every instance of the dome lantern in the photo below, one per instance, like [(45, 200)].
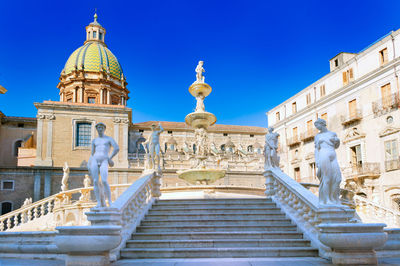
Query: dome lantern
[(94, 31)]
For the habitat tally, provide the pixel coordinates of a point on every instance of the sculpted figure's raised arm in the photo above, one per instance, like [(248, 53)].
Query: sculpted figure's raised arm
[(99, 162), (328, 167)]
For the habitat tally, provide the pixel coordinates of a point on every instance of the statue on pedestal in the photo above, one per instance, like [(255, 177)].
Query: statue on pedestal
[(270, 149), (153, 149), (199, 72), (64, 180), (99, 162), (328, 167)]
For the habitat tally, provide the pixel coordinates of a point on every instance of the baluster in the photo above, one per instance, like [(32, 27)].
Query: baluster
[(2, 225), (34, 213), (8, 223), (42, 209), (50, 206), (23, 217)]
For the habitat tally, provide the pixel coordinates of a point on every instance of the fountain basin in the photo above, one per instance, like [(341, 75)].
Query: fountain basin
[(193, 176), (200, 88), (200, 119)]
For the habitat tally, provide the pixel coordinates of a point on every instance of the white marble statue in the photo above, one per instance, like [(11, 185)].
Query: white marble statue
[(200, 103), (153, 150), (214, 150), (27, 202), (328, 167), (201, 141), (86, 181), (199, 72), (64, 180), (99, 162), (241, 151), (270, 149)]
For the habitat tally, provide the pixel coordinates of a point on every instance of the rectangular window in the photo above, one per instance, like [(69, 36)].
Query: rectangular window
[(251, 136), (7, 185), (295, 132), (353, 108), (94, 35), (169, 132), (83, 134), (91, 100), (356, 159), (100, 36), (391, 152), (313, 173), (278, 116), (336, 62), (322, 90), (347, 76), (386, 95), (294, 108), (383, 56), (309, 126), (225, 134), (308, 98)]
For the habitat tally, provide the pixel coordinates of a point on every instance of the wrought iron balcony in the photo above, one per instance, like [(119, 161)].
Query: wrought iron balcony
[(386, 104), (363, 170), (308, 135), (293, 141), (391, 165), (351, 117)]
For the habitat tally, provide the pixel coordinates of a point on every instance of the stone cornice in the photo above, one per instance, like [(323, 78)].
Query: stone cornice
[(83, 107)]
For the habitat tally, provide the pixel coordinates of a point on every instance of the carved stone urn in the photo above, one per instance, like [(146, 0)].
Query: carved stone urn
[(353, 243)]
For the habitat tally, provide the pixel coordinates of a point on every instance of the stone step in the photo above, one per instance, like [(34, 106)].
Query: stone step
[(213, 201), (217, 235), (217, 215), (237, 252), (242, 211), (216, 228), (212, 243), (212, 206), (202, 222)]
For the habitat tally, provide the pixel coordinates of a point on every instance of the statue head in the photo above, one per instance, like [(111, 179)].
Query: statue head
[(270, 129), (320, 123), (201, 63), (100, 127)]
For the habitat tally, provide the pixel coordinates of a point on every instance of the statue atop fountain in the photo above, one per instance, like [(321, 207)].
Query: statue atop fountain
[(200, 120)]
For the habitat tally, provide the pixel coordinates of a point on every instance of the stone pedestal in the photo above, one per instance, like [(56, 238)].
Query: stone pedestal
[(269, 184), (353, 243), (87, 245), (335, 214)]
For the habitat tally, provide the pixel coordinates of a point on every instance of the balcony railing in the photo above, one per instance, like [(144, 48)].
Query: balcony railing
[(386, 104), (293, 141), (362, 170), (308, 135), (351, 117), (391, 165)]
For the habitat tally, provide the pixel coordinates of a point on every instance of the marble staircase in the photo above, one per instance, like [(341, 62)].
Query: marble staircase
[(216, 228)]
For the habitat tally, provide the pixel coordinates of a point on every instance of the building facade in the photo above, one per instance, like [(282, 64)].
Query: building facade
[(359, 99)]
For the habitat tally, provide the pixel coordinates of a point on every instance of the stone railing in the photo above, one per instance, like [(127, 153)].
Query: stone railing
[(130, 208), (302, 206), (351, 117), (384, 105), (364, 170), (372, 212), (60, 204), (293, 141), (308, 135)]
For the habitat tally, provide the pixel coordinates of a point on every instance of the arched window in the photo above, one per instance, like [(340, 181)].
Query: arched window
[(194, 148), (17, 145), (6, 207), (223, 147)]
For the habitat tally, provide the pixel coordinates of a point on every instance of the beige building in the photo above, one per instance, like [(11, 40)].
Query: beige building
[(359, 99)]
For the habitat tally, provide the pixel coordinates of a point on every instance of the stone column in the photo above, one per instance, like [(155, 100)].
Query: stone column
[(74, 96), (39, 139), (36, 186), (117, 122), (47, 184), (124, 146), (49, 145), (108, 97)]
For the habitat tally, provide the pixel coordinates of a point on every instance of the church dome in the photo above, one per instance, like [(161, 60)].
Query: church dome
[(94, 56)]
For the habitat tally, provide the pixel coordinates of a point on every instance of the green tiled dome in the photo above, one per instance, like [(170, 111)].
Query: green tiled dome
[(94, 56)]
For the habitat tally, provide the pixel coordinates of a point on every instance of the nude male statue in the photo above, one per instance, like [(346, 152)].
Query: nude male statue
[(153, 146), (99, 162)]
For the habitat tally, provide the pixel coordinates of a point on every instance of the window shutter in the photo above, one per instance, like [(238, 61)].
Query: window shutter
[(385, 55), (344, 78), (351, 74)]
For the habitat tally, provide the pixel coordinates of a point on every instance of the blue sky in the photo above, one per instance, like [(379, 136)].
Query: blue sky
[(256, 53)]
